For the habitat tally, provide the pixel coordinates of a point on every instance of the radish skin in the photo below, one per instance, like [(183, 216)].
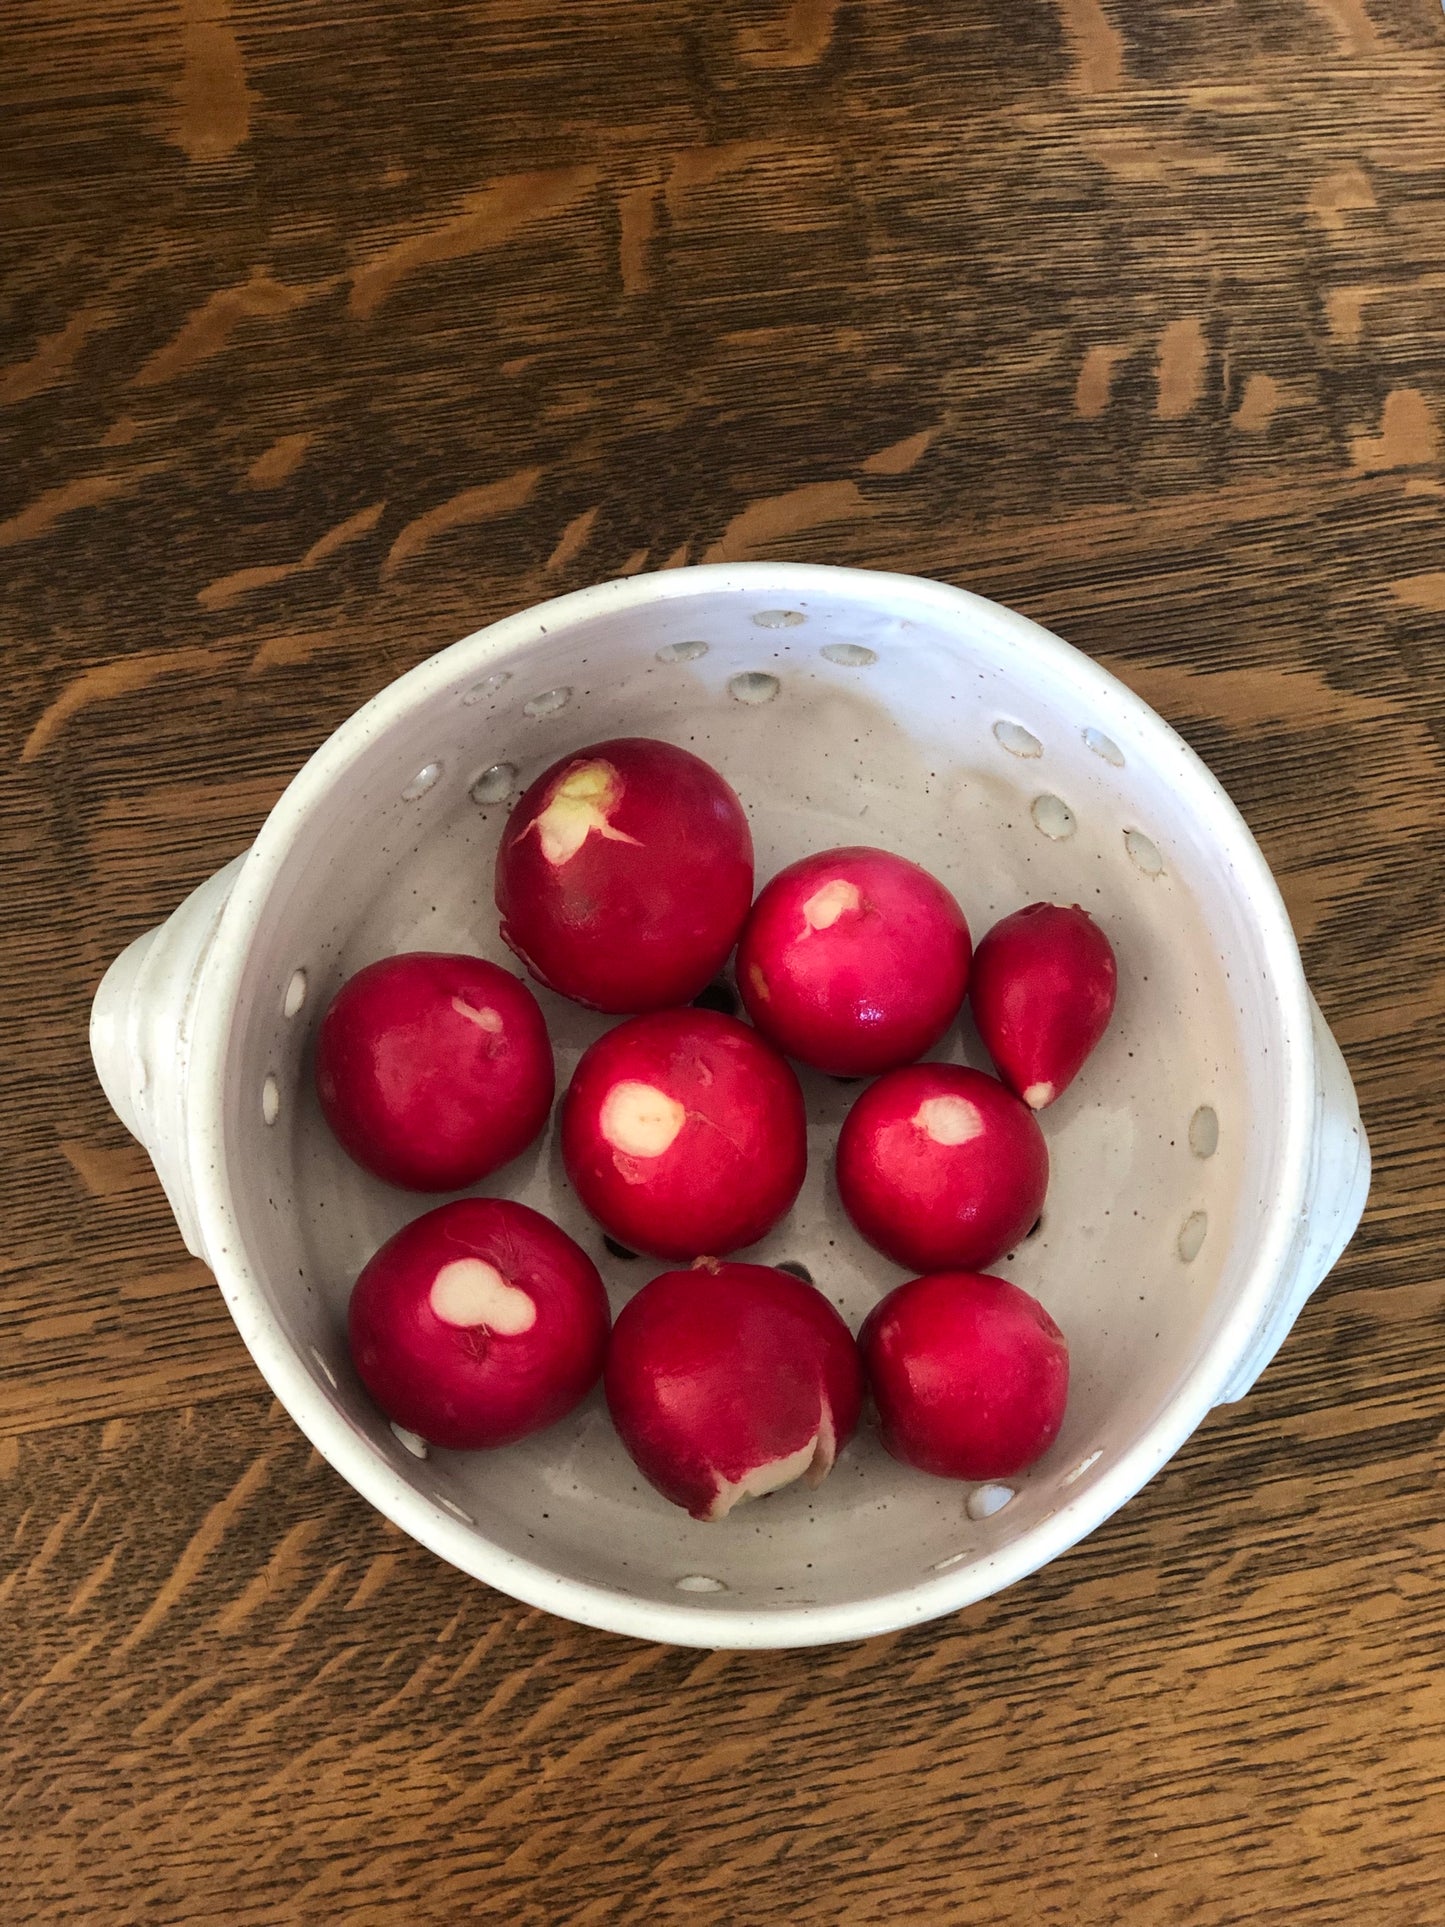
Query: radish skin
[(854, 961), (730, 1381), (433, 1070), (940, 1166), (624, 875), (478, 1323), (1043, 990), (969, 1374), (684, 1134)]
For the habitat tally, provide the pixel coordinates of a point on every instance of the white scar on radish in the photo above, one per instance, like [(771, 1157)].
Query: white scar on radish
[(948, 1120), (470, 1292), (581, 804), (485, 1019), (639, 1120), (811, 1463), (1037, 1096), (836, 899)]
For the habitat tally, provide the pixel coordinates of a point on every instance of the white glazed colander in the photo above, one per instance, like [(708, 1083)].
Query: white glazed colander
[(1208, 1164)]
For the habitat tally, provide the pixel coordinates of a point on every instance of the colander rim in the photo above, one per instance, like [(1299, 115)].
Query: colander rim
[(363, 1465)]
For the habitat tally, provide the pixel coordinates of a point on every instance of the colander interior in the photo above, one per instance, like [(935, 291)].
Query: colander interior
[(929, 724)]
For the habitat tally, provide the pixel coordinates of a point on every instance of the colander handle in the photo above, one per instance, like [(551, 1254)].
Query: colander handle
[(141, 1025), (1334, 1203)]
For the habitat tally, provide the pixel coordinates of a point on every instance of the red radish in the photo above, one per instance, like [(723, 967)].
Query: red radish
[(854, 961), (729, 1381), (478, 1323), (433, 1070), (1043, 993), (624, 875), (940, 1166), (684, 1133), (969, 1373)]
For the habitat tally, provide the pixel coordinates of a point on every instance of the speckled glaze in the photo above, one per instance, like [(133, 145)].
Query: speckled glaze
[(845, 707)]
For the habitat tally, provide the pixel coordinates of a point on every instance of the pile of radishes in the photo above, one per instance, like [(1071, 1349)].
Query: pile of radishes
[(625, 881)]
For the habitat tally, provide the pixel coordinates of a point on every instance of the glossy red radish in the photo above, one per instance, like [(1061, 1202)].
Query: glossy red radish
[(729, 1381), (1043, 989), (854, 961), (684, 1133), (624, 875), (970, 1375), (939, 1166), (478, 1323), (433, 1070)]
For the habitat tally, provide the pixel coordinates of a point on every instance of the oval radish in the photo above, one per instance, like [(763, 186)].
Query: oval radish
[(478, 1323), (1044, 982), (970, 1375), (940, 1166), (434, 1069), (729, 1381), (854, 961), (624, 875), (684, 1133)]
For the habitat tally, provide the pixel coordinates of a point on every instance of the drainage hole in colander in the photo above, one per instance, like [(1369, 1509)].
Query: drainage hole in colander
[(778, 618), (1017, 740), (795, 1269), (681, 651), (295, 994), (1104, 746), (488, 686), (753, 686), (1143, 853), (698, 1582), (456, 1511), (426, 778), (493, 785), (1192, 1235), (1083, 1466), (548, 703), (849, 655), (985, 1500), (325, 1369), (270, 1099), (412, 1441), (719, 996), (1054, 817), (1204, 1131)]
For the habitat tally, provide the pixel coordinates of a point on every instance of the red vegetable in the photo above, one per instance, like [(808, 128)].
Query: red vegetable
[(854, 961), (478, 1323), (729, 1381), (940, 1166), (970, 1375), (624, 875), (684, 1133), (1043, 991), (433, 1070)]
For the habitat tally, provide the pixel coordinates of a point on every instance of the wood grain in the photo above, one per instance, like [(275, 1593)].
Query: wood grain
[(328, 334)]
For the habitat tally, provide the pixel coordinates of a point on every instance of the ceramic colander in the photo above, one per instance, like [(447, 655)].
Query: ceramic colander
[(1208, 1164)]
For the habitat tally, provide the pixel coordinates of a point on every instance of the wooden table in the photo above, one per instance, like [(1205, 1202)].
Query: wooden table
[(330, 333)]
